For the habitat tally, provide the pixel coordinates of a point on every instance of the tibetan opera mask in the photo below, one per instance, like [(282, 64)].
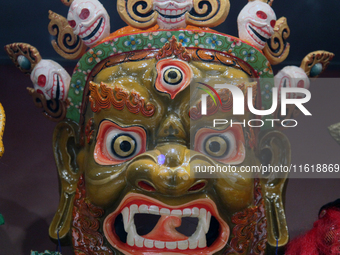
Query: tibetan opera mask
[(136, 140)]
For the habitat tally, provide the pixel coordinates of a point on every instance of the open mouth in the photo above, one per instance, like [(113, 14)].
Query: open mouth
[(93, 32), (258, 34), (171, 15), (58, 87), (142, 224)]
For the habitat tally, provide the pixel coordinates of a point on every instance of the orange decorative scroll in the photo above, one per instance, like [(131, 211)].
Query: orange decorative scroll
[(173, 48), (102, 97)]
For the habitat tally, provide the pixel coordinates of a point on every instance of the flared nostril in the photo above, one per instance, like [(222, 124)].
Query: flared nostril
[(145, 185), (198, 186)]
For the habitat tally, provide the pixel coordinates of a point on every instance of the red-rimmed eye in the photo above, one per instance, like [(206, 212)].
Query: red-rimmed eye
[(173, 76), (84, 14), (226, 146), (117, 144), (41, 80), (72, 23), (261, 15)]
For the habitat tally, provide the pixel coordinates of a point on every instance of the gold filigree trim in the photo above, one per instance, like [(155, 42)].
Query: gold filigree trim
[(173, 48), (66, 43), (54, 109), (277, 48), (316, 57), (24, 56), (209, 13), (102, 97), (137, 13)]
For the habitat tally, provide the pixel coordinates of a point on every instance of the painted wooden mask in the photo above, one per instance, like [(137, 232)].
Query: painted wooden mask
[(132, 133)]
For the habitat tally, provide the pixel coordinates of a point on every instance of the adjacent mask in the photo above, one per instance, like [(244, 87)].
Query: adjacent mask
[(172, 13), (256, 23), (89, 21), (292, 77), (51, 80)]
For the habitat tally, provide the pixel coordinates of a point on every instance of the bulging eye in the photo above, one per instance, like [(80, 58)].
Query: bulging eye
[(226, 146), (219, 146), (261, 15), (173, 76), (122, 145), (117, 144), (84, 14)]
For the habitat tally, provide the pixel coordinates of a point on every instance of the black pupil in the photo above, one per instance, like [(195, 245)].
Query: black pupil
[(214, 146), (125, 146), (172, 75)]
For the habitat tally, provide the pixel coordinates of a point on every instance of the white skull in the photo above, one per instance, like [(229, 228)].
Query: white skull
[(89, 21), (292, 77), (51, 80), (171, 14), (256, 23)]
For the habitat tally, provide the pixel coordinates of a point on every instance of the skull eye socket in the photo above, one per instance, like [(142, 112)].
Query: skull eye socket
[(273, 23), (72, 23), (173, 76), (41, 80), (261, 15), (84, 14), (116, 144)]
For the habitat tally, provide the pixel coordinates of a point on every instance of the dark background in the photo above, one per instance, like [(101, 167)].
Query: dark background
[(28, 179)]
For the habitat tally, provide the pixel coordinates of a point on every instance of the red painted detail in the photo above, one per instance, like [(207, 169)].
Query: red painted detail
[(165, 230), (301, 84), (72, 23), (197, 186), (85, 13), (261, 15), (42, 80), (272, 23), (146, 186), (139, 199), (40, 92)]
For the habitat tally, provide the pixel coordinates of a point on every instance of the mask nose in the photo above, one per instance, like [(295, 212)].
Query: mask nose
[(165, 170)]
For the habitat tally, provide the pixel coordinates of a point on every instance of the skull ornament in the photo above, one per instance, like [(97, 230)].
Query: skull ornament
[(292, 77), (51, 80), (89, 20), (256, 23), (171, 14)]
